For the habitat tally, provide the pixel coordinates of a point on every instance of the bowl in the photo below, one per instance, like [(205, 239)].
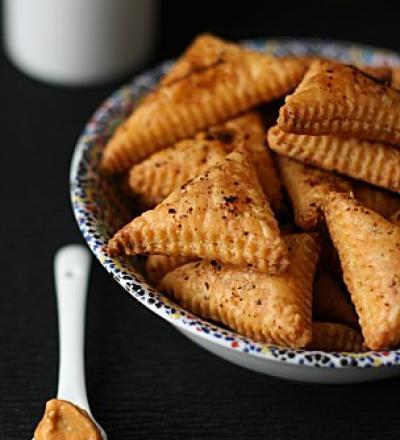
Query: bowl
[(100, 209)]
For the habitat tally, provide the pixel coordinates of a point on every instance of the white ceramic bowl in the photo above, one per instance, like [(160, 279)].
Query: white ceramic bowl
[(100, 210)]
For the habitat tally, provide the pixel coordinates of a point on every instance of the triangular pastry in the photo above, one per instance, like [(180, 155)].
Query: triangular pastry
[(330, 302), (338, 99), (308, 188), (328, 336), (369, 251), (372, 162), (238, 80), (271, 308), (384, 202), (157, 266), (156, 177), (221, 215)]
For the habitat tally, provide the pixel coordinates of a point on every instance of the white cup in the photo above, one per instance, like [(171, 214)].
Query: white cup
[(78, 42)]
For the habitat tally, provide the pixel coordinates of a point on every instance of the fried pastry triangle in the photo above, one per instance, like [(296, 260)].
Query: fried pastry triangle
[(222, 214), (328, 336), (369, 251), (157, 266), (194, 98), (372, 162), (383, 202), (341, 100), (155, 178), (330, 302), (308, 188), (271, 308)]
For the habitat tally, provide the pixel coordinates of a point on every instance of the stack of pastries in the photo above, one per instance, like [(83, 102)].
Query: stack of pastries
[(287, 233)]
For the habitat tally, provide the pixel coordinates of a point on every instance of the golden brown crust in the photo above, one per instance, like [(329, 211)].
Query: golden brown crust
[(308, 188), (264, 164), (274, 309), (152, 180), (382, 73), (330, 302), (369, 250), (157, 266), (190, 102), (248, 131), (244, 127), (383, 202), (327, 336), (337, 99), (372, 162), (155, 178), (205, 51), (222, 214)]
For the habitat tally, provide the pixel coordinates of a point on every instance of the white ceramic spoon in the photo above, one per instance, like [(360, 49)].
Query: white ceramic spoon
[(71, 269)]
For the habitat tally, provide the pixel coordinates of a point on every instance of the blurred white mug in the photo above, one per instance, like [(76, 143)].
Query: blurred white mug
[(78, 42)]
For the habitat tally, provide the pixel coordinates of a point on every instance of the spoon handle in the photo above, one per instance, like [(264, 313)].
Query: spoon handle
[(71, 269)]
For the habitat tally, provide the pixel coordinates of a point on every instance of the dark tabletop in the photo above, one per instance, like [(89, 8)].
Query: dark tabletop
[(145, 380)]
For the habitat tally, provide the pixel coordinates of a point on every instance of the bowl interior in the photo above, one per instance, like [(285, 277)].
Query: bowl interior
[(100, 208)]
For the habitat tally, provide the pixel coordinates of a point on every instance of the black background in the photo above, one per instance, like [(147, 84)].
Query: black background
[(145, 380)]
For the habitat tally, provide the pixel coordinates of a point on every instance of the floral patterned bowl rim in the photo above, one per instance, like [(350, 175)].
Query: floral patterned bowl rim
[(88, 203)]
